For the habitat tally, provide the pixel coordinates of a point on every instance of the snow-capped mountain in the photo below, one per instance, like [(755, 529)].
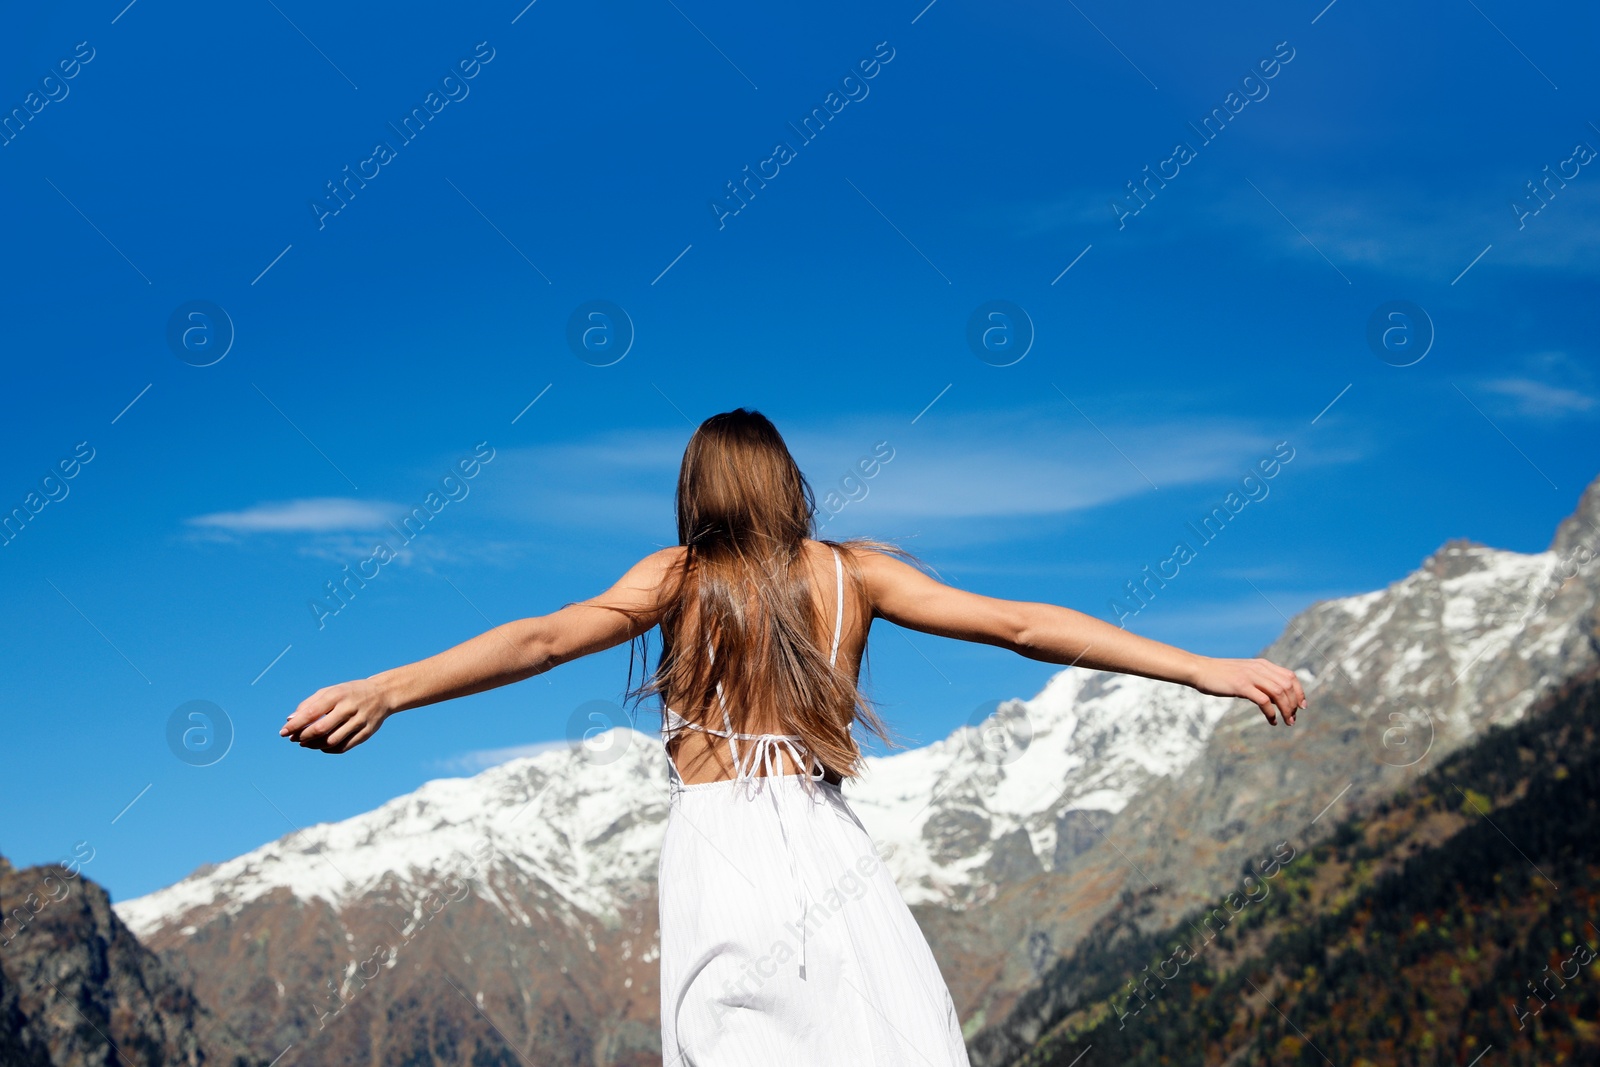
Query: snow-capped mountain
[(542, 869), (1032, 785), (586, 822), (582, 823)]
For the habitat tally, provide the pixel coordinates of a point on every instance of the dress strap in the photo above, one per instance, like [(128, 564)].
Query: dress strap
[(678, 722), (838, 600)]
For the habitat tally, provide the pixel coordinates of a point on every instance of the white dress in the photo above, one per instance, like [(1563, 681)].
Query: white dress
[(784, 940)]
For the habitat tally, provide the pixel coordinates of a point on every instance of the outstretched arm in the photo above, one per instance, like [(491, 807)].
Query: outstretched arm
[(908, 597), (337, 718)]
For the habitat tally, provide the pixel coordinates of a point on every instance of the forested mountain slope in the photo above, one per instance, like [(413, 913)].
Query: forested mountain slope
[(1458, 916)]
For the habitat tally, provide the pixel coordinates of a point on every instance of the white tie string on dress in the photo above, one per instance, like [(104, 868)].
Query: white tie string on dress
[(767, 754)]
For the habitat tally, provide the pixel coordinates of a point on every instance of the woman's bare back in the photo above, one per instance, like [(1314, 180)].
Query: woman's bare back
[(705, 757)]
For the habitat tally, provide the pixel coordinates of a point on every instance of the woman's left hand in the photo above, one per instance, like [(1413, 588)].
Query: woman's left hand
[(1272, 688), (339, 717)]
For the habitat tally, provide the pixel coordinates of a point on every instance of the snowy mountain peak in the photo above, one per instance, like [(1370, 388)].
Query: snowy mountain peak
[(583, 820), (1581, 528)]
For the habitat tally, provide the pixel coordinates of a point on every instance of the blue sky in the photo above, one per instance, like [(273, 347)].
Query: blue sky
[(1168, 350)]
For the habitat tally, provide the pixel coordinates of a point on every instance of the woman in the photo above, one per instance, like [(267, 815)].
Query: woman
[(783, 937)]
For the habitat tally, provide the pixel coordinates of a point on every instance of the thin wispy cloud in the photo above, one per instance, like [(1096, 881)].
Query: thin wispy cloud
[(1435, 235), (309, 515), (1548, 385), (1540, 399), (977, 472), (1402, 229), (343, 530), (1040, 461)]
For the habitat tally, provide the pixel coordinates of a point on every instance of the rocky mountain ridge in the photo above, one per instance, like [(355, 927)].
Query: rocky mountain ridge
[(78, 989)]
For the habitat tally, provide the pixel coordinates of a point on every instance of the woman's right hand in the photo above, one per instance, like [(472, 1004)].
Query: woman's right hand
[(339, 717), (1271, 688)]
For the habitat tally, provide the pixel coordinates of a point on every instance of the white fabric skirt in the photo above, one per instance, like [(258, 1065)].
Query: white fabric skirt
[(784, 940)]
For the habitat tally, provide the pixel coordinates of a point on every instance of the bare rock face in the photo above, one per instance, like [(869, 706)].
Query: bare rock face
[(20, 1044), (77, 988), (374, 981), (512, 916)]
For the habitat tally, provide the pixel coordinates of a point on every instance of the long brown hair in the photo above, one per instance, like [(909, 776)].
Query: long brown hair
[(744, 513)]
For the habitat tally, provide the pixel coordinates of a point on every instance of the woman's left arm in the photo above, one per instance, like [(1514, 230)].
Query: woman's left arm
[(339, 717)]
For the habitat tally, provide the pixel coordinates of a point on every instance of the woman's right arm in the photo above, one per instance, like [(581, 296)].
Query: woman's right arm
[(336, 718), (907, 597)]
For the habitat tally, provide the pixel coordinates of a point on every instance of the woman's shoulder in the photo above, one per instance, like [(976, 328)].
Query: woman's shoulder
[(866, 554), (868, 563), (670, 556), (854, 556), (661, 570), (855, 548)]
